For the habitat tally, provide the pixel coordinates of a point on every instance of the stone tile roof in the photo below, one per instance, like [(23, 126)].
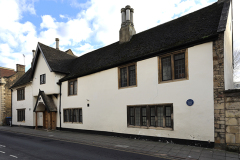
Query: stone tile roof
[(224, 16), (197, 26), (57, 60), (48, 102), (24, 79)]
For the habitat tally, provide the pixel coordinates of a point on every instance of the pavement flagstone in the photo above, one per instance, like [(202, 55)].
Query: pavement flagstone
[(169, 150)]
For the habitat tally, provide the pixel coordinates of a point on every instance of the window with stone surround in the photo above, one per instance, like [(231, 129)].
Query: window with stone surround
[(127, 75), (158, 116), (42, 78), (173, 66), (73, 115), (20, 115), (72, 87), (21, 94)]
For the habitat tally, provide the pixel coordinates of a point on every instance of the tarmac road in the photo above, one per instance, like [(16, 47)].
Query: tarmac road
[(24, 147)]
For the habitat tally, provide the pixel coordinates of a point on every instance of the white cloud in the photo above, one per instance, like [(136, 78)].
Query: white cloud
[(70, 32), (85, 48), (15, 38), (97, 23), (106, 18), (48, 22)]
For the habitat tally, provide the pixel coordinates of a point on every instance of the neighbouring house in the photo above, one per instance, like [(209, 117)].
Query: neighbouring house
[(7, 78), (166, 83)]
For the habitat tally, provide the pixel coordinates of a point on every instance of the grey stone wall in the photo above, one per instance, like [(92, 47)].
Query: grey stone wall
[(232, 119), (6, 94), (218, 81)]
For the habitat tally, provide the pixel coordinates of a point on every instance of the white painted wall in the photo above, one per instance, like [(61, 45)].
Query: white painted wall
[(27, 104), (228, 67), (50, 87), (108, 104)]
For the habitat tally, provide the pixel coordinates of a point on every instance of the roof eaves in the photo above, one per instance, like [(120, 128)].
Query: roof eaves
[(224, 16), (155, 53)]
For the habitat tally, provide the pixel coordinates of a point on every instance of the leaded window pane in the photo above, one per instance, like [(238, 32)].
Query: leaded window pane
[(166, 69), (144, 116), (75, 115), (168, 117), (160, 116), (123, 77), (131, 116), (41, 79), (65, 115), (21, 115), (179, 66), (132, 75), (71, 88), (44, 78), (152, 116), (75, 87), (137, 116), (80, 115)]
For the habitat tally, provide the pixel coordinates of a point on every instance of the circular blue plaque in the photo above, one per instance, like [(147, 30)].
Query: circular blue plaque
[(190, 102)]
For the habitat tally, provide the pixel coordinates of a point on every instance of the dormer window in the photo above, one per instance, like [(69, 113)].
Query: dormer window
[(42, 78)]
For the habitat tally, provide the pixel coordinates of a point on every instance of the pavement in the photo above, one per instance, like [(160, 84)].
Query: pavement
[(150, 148)]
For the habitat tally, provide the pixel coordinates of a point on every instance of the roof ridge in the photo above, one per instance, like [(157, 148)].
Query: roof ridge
[(196, 27), (21, 78), (178, 18), (56, 49), (152, 28)]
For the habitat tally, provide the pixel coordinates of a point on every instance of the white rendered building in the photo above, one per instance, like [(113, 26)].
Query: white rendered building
[(163, 83)]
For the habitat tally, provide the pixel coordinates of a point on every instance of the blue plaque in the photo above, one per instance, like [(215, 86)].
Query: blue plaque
[(190, 102)]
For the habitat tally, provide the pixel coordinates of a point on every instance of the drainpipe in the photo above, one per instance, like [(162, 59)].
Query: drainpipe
[(60, 99), (11, 109)]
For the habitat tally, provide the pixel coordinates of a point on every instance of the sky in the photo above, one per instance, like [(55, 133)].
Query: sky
[(82, 25)]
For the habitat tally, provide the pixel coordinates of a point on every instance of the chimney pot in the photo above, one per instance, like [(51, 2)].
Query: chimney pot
[(57, 43), (33, 51), (127, 28)]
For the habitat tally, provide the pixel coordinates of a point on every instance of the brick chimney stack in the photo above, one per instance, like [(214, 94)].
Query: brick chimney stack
[(20, 68), (127, 28)]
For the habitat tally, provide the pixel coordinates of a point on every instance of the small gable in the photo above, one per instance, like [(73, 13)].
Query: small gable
[(44, 102)]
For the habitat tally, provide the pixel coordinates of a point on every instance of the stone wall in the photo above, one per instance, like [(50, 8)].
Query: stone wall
[(6, 93), (232, 118), (218, 81)]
